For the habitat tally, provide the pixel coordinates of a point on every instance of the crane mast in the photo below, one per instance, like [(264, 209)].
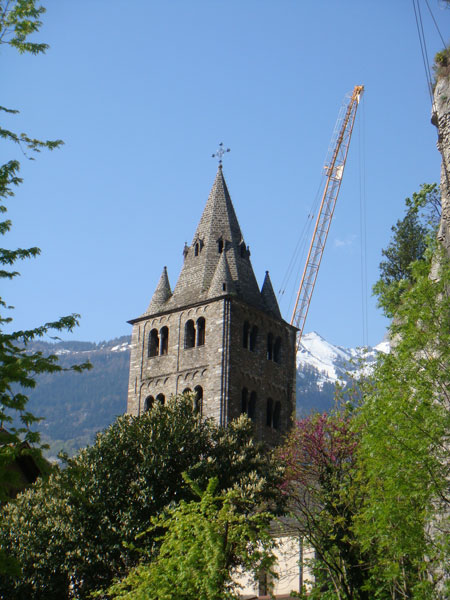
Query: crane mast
[(334, 170)]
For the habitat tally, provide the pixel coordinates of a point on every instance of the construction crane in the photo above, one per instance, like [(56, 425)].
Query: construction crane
[(334, 170)]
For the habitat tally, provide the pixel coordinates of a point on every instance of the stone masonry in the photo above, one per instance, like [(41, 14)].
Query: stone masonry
[(441, 118), (217, 334), (439, 527)]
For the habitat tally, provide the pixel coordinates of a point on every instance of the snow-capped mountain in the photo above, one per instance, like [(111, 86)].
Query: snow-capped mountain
[(334, 362), (320, 365)]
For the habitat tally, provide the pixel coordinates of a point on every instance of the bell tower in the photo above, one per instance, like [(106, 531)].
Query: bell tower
[(216, 334)]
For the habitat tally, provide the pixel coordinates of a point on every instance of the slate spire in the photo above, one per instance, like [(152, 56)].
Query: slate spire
[(161, 295), (269, 297), (218, 232), (222, 282)]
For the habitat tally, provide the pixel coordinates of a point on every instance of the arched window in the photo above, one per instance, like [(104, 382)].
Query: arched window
[(269, 412), (196, 249), (153, 343), (253, 338), (187, 391), (201, 327), (220, 246), (277, 350), (198, 400), (149, 401), (248, 405), (244, 401), (246, 334), (164, 340), (270, 346), (189, 334), (276, 415), (242, 250), (252, 406), (160, 398)]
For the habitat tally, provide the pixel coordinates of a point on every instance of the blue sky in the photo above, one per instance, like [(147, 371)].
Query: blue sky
[(143, 91)]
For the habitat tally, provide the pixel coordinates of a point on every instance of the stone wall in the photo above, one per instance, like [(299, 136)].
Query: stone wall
[(222, 366), (181, 367), (439, 526), (441, 118)]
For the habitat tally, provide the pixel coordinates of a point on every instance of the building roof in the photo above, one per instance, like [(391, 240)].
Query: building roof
[(216, 263), (222, 281), (269, 297), (162, 293)]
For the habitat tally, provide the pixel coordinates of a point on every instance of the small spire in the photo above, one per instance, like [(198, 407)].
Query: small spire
[(222, 282), (268, 296), (162, 293)]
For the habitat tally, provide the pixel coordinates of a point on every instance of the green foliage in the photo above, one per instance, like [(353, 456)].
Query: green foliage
[(18, 368), (18, 20), (404, 466), (381, 526), (409, 242), (79, 521), (204, 543), (370, 493), (441, 66)]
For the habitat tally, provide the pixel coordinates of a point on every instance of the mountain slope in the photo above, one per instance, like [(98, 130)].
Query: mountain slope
[(334, 362), (320, 365), (75, 406)]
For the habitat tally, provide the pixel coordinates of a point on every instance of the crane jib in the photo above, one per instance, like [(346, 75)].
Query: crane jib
[(334, 170)]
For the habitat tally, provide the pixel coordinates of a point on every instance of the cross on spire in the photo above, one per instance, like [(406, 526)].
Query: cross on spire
[(220, 152)]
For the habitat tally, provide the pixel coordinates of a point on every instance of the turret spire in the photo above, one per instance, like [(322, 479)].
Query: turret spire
[(161, 295), (269, 297), (222, 282)]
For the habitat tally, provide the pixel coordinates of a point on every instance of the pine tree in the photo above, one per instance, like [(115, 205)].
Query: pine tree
[(409, 242)]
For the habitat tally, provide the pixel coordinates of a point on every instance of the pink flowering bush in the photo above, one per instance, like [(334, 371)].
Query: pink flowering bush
[(321, 481), (319, 448)]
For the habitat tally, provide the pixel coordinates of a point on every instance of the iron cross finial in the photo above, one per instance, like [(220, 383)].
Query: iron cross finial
[(220, 152)]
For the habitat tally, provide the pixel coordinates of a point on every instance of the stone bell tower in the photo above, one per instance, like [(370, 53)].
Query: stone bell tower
[(217, 334)]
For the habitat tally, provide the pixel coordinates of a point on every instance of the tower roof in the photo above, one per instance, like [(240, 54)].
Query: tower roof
[(269, 297), (161, 294), (222, 282), (218, 232)]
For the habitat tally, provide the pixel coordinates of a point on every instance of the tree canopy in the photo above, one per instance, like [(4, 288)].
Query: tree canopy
[(19, 19), (18, 368), (82, 524), (405, 419), (410, 240), (205, 542), (369, 486)]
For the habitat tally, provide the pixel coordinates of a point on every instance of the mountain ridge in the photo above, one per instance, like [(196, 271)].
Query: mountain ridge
[(75, 406), (335, 361)]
